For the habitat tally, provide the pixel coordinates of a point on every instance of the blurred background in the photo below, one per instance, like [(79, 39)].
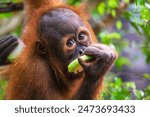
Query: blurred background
[(121, 24)]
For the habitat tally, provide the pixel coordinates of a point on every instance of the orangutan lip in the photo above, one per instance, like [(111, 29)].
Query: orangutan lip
[(77, 75)]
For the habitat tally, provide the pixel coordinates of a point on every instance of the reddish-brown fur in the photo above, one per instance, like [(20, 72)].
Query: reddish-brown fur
[(30, 76)]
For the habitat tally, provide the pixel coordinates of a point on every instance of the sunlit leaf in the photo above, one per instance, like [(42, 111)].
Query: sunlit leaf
[(113, 3), (118, 81), (101, 8), (145, 13), (128, 15), (122, 61), (140, 2), (146, 75), (6, 15), (119, 24), (113, 35), (139, 94), (131, 85), (127, 1), (113, 13)]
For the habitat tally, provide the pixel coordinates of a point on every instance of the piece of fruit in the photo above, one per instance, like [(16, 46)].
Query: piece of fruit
[(75, 66)]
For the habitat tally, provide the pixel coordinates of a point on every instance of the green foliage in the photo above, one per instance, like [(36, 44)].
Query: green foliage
[(140, 2), (119, 90), (101, 8), (2, 88), (74, 2), (145, 13), (127, 1), (119, 24), (146, 75), (108, 38), (122, 61), (6, 15), (147, 93), (108, 6), (11, 1), (141, 24), (113, 3)]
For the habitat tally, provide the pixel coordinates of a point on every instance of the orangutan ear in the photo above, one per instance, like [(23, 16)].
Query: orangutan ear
[(40, 48)]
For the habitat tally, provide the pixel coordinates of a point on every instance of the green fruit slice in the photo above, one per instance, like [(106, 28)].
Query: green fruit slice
[(75, 67)]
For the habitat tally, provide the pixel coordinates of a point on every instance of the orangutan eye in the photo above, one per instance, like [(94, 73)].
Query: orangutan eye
[(70, 42), (82, 36)]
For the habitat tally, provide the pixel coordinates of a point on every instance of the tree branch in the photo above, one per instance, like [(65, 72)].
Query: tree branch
[(9, 7)]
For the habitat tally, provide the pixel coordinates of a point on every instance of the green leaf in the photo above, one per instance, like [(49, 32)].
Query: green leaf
[(118, 81), (74, 2), (140, 2), (114, 35), (145, 13), (101, 8), (139, 94), (135, 26), (113, 3), (107, 38), (6, 15), (146, 75), (127, 1), (119, 24), (128, 15), (131, 85), (3, 84), (122, 61), (113, 13)]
